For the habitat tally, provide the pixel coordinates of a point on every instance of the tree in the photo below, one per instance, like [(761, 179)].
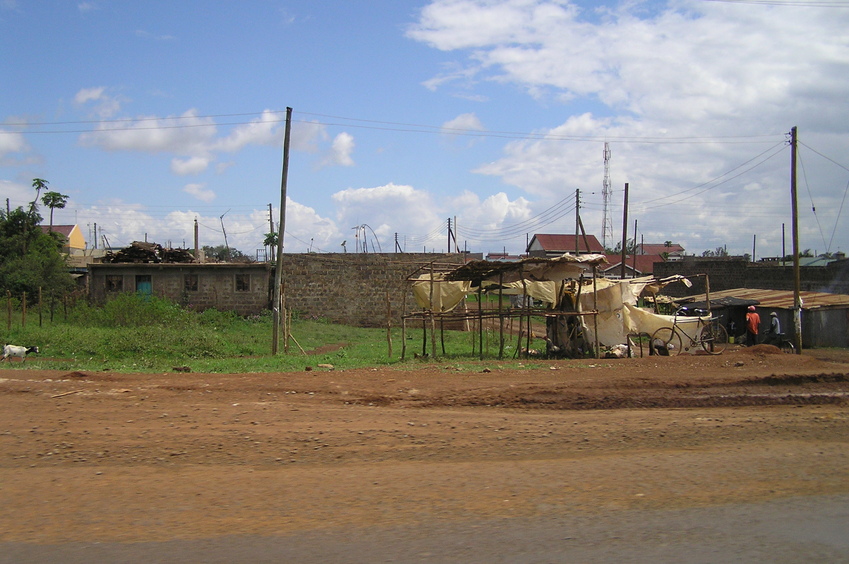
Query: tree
[(219, 252), (54, 200), (39, 184), (29, 258)]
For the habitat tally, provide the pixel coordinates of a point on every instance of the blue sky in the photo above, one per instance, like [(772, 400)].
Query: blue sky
[(149, 115)]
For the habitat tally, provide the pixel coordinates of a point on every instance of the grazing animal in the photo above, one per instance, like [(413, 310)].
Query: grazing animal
[(20, 352)]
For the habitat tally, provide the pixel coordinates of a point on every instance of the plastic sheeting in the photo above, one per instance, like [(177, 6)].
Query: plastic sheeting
[(619, 316), (446, 295)]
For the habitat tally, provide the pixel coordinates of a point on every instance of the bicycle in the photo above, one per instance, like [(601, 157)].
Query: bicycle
[(784, 344), (710, 334)]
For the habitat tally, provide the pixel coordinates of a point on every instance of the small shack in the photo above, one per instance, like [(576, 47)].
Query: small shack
[(825, 317)]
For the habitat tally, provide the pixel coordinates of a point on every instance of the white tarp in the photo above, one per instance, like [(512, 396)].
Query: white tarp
[(619, 316), (446, 295)]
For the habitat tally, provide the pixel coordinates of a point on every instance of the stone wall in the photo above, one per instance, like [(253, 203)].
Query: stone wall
[(353, 288), (729, 273)]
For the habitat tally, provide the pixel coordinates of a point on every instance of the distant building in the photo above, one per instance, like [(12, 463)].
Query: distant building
[(243, 288), (635, 265), (74, 240), (673, 251), (551, 245)]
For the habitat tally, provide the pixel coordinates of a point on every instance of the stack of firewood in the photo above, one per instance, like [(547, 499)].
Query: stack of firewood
[(142, 252)]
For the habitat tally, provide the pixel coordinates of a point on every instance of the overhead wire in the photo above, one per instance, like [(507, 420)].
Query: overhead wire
[(808, 188)]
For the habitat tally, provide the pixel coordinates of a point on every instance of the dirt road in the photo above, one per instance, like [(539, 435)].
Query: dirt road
[(106, 457)]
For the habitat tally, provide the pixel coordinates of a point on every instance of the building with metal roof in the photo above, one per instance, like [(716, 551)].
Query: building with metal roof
[(825, 317)]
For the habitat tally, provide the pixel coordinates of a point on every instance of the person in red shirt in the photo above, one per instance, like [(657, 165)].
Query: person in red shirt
[(753, 320)]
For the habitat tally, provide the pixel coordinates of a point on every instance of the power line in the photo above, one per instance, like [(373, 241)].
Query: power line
[(362, 124)]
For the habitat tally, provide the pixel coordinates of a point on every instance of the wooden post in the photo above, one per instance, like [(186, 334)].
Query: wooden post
[(595, 313), (480, 318), (404, 324), (624, 233), (797, 284), (500, 315), (389, 323), (40, 303), (8, 311), (24, 311)]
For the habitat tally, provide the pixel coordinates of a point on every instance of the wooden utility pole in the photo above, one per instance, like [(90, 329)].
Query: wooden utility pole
[(797, 283), (624, 233), (577, 218), (278, 266)]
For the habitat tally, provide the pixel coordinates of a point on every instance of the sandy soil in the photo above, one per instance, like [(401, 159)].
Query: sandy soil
[(101, 456)]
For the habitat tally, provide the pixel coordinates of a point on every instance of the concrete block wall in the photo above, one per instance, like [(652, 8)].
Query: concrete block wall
[(726, 274), (352, 288)]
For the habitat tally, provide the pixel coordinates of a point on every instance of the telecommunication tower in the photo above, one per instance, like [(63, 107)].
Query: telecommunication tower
[(606, 194)]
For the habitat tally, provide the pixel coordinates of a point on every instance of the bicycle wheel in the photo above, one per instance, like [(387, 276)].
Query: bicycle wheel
[(787, 347), (666, 342), (714, 338)]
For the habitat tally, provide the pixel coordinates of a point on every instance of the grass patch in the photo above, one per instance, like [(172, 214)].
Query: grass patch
[(135, 334)]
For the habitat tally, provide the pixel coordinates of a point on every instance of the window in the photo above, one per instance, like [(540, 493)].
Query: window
[(243, 282), (114, 283), (190, 282)]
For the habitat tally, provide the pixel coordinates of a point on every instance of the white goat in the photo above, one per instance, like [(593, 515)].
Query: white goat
[(20, 352)]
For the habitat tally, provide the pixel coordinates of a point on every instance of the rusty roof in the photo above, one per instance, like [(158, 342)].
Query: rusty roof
[(781, 299)]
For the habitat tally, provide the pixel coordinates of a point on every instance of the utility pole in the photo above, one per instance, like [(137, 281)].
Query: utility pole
[(577, 218), (606, 194), (226, 245), (754, 245), (797, 283), (197, 241), (624, 233), (278, 266)]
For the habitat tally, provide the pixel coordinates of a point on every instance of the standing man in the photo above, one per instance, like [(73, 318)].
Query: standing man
[(773, 333), (753, 321)]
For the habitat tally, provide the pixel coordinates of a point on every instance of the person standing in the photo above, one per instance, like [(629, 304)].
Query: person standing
[(773, 333), (753, 321)]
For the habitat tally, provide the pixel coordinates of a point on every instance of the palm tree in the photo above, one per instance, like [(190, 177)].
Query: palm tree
[(39, 184), (54, 200)]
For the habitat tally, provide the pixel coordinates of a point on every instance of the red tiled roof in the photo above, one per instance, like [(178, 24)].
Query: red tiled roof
[(659, 248), (644, 263), (566, 243), (63, 229)]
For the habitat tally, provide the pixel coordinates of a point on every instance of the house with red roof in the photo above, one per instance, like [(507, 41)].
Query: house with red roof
[(671, 251), (554, 245)]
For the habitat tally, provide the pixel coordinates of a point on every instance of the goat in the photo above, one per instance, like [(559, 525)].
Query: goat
[(20, 352)]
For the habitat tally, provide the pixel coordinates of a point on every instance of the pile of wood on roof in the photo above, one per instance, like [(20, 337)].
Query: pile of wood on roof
[(142, 252)]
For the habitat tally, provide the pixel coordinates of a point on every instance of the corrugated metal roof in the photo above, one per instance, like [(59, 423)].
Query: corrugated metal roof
[(782, 299)]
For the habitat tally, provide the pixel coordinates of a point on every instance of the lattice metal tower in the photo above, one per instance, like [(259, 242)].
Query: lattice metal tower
[(606, 194)]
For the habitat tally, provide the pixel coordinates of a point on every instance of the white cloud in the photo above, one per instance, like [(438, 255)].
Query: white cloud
[(191, 165), (12, 142), (340, 151), (86, 6), (104, 105), (463, 123), (199, 191), (265, 130), (388, 209), (187, 134), (680, 88)]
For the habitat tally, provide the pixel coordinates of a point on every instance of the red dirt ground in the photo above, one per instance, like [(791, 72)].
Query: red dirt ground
[(101, 456)]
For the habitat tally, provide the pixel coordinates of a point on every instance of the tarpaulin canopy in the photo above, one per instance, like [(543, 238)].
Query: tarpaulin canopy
[(538, 278), (618, 314)]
